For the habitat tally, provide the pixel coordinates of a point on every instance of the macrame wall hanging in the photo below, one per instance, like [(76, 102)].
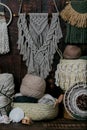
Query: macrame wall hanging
[(37, 41), (4, 40), (75, 15)]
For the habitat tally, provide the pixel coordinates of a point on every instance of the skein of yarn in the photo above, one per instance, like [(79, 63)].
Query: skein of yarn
[(33, 86)]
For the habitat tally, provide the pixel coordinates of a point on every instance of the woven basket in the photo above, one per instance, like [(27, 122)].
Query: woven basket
[(37, 111)]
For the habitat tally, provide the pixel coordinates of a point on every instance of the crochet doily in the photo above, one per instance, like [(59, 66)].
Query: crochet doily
[(75, 101)]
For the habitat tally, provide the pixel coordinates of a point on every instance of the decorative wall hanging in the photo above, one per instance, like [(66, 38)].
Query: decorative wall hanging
[(37, 41), (4, 40), (75, 15)]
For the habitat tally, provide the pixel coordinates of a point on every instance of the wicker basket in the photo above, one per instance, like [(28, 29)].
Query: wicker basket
[(37, 111)]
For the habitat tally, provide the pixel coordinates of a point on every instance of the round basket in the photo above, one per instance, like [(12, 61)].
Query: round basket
[(75, 101), (70, 72), (37, 111)]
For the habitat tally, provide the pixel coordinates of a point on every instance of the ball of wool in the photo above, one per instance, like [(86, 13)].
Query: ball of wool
[(33, 86), (72, 52), (16, 115)]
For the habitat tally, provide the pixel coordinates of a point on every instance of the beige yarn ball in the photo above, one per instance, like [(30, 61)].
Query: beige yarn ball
[(33, 86), (72, 52)]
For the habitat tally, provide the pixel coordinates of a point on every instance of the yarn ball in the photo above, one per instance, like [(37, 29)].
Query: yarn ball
[(33, 86), (16, 115), (72, 52)]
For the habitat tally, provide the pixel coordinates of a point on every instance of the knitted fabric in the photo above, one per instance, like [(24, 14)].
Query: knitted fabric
[(70, 72), (4, 41), (76, 35), (37, 41), (75, 14), (33, 86), (22, 99)]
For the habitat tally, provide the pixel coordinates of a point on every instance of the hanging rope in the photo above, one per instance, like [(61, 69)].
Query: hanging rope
[(55, 6), (58, 50), (20, 7)]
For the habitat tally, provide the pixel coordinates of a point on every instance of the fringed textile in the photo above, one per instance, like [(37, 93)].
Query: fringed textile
[(4, 40), (37, 41), (70, 72), (73, 17)]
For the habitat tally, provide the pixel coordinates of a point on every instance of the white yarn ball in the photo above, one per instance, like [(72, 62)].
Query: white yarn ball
[(16, 115)]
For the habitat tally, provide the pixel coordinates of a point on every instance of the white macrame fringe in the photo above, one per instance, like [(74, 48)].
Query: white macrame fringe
[(38, 43)]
